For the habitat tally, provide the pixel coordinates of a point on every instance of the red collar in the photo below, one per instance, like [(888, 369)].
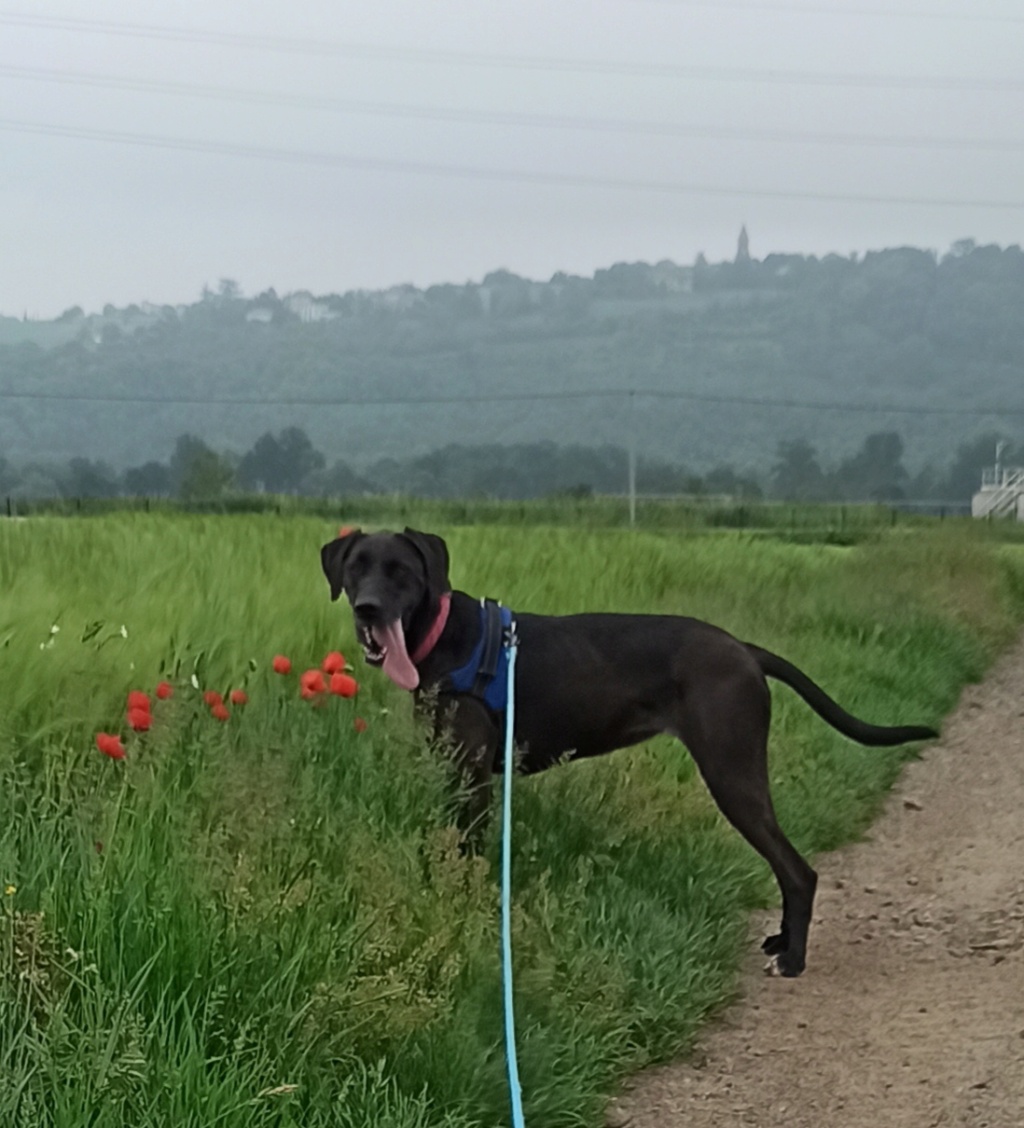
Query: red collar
[(434, 633)]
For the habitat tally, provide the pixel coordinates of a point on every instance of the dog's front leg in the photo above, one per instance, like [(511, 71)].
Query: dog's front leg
[(471, 735)]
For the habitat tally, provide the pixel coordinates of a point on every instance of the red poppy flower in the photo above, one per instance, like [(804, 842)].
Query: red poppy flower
[(239, 697), (220, 711), (110, 745), (282, 665), (138, 700), (359, 725), (212, 697), (344, 685), (164, 690), (312, 684), (334, 663), (140, 719)]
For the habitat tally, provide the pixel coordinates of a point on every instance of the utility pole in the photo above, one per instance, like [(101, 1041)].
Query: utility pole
[(632, 458)]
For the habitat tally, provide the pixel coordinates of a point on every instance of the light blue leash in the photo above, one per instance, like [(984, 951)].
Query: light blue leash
[(515, 1091)]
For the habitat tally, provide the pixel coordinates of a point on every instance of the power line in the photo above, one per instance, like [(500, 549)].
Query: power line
[(469, 172), (510, 397), (492, 117), (434, 57)]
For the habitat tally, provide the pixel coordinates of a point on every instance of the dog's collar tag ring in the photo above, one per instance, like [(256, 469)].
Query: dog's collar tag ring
[(428, 644)]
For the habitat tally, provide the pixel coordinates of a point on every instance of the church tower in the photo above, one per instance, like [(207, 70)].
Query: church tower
[(743, 247)]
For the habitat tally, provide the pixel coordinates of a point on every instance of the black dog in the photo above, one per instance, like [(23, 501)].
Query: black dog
[(586, 685)]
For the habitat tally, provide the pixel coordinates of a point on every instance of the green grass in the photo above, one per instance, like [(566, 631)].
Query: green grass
[(268, 922), (799, 522)]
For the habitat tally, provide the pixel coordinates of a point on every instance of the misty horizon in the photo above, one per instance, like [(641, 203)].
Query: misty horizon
[(286, 147)]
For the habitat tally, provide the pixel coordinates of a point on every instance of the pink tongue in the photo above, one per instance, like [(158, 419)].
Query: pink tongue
[(397, 665)]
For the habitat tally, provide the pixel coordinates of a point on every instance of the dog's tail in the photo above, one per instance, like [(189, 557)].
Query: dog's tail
[(864, 733)]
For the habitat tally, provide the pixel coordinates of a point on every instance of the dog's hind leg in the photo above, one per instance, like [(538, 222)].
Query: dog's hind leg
[(728, 739)]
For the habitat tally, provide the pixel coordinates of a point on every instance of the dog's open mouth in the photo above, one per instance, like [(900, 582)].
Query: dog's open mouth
[(373, 651), (385, 646)]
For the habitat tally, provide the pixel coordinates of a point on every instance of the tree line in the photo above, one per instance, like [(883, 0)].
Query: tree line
[(287, 462)]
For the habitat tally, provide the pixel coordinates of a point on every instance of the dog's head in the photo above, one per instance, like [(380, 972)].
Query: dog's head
[(394, 582)]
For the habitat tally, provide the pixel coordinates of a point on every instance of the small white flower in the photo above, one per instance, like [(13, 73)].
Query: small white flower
[(54, 629), (124, 631), (195, 681)]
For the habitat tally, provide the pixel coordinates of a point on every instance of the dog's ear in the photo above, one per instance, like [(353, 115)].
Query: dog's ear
[(333, 556), (435, 558)]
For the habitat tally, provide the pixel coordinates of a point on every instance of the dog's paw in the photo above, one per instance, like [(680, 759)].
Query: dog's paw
[(774, 945), (789, 964)]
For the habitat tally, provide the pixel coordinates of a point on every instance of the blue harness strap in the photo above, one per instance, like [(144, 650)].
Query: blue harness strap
[(484, 675)]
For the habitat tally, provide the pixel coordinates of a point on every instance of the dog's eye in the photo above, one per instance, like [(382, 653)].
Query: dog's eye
[(395, 570)]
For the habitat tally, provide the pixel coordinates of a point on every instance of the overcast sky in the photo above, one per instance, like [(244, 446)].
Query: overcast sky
[(149, 150)]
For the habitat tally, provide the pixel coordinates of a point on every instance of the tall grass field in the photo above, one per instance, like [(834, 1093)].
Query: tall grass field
[(267, 921)]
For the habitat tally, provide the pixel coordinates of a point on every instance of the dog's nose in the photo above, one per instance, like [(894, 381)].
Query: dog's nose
[(367, 607)]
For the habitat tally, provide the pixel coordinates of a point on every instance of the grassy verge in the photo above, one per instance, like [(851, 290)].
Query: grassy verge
[(267, 921)]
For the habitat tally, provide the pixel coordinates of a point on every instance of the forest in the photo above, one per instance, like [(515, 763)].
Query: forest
[(887, 375)]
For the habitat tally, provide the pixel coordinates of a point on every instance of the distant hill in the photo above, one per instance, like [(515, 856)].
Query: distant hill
[(770, 338)]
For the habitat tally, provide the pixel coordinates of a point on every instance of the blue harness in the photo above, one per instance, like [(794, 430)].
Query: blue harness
[(485, 675)]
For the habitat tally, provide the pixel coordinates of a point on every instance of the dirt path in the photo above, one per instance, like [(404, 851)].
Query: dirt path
[(911, 1011)]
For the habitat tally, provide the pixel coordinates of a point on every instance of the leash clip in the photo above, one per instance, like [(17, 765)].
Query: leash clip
[(511, 636)]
